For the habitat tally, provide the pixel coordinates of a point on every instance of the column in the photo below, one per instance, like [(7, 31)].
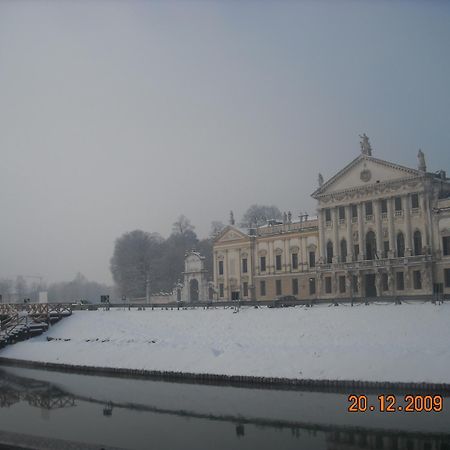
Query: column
[(287, 256), (270, 259), (336, 246), (362, 250), (226, 281), (303, 257), (216, 262), (378, 231), (321, 235), (407, 216), (390, 205), (348, 218), (424, 213)]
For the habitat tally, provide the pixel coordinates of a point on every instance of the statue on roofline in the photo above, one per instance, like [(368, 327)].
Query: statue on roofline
[(231, 218), (366, 148), (421, 158), (320, 180)]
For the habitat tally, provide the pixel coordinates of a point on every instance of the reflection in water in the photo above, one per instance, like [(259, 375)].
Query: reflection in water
[(46, 396), (39, 394)]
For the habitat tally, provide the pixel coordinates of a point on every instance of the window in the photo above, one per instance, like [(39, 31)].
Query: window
[(343, 250), (342, 284), (294, 261), (386, 249), (328, 285), (312, 259), (245, 289), (341, 213), (221, 290), (329, 252), (371, 245), (278, 287), (400, 281), (446, 245), (244, 265), (278, 262), (400, 245), (417, 278), (354, 212), (414, 201), (312, 286), (398, 203), (262, 263), (294, 286), (447, 277), (262, 288), (417, 242), (356, 251), (369, 208), (384, 206), (328, 215), (384, 282), (220, 267)]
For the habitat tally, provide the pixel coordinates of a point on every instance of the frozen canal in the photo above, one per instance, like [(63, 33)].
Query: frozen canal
[(44, 409)]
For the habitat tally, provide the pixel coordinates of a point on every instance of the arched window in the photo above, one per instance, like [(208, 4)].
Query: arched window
[(329, 252), (400, 245), (371, 245), (417, 242), (343, 250)]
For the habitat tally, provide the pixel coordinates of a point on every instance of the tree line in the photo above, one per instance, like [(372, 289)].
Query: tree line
[(144, 263), (80, 288)]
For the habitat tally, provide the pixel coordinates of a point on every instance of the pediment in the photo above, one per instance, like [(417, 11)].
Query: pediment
[(365, 171), (230, 233)]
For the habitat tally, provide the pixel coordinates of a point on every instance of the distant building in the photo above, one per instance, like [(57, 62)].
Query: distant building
[(382, 230)]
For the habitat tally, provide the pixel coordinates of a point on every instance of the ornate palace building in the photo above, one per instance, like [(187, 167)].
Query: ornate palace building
[(382, 229)]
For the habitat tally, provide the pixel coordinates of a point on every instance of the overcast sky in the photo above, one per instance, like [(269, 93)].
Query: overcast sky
[(118, 115)]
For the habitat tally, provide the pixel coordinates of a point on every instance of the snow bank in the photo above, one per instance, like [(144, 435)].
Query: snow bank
[(407, 343)]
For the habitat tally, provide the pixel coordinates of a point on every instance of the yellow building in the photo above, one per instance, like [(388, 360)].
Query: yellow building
[(270, 261)]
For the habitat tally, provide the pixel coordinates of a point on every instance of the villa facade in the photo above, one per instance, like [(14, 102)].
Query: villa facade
[(382, 229)]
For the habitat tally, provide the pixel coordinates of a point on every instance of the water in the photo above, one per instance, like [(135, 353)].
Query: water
[(44, 407)]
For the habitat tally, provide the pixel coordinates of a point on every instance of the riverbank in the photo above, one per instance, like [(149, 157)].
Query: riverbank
[(378, 343)]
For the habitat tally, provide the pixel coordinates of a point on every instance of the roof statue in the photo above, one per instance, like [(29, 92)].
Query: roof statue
[(320, 180), (366, 149), (421, 158), (231, 218)]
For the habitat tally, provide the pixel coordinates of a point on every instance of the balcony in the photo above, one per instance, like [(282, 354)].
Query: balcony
[(398, 213), (369, 217), (341, 221), (384, 215), (376, 263)]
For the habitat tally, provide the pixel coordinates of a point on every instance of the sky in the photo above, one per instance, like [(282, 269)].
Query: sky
[(122, 115)]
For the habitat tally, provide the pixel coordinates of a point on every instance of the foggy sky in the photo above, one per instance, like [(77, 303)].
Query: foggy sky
[(123, 115)]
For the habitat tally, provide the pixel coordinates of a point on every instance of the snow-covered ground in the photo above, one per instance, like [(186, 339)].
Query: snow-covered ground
[(408, 342)]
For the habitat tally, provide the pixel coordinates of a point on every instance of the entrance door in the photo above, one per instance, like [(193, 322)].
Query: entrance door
[(235, 295), (193, 290), (371, 289)]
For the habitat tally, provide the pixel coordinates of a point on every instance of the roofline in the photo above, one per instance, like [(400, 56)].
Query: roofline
[(360, 157)]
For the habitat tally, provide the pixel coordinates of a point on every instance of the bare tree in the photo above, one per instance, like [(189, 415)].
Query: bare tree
[(216, 227), (182, 225), (135, 262), (6, 286), (21, 288), (257, 215)]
